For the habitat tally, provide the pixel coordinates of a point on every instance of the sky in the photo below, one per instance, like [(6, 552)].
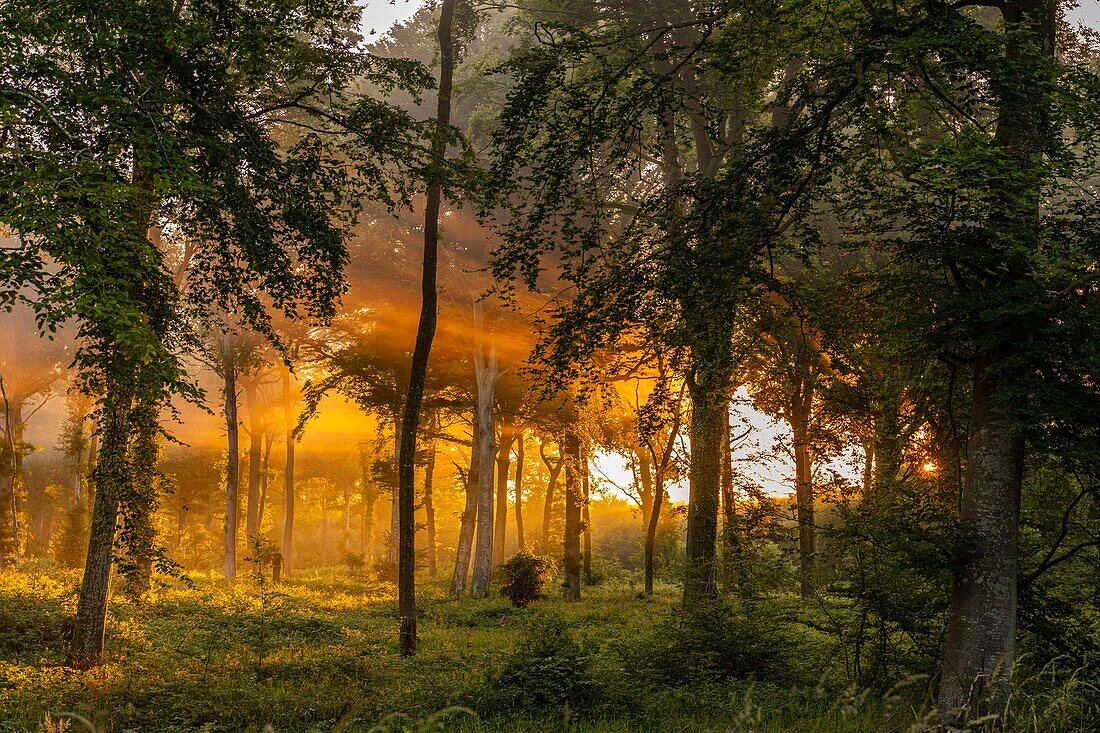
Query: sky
[(380, 15)]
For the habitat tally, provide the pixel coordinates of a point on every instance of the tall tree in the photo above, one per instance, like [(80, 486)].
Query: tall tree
[(133, 114), (672, 140)]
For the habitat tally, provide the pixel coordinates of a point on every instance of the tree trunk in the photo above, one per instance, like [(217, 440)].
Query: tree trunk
[(522, 544), (232, 469), (980, 647), (645, 488), (429, 509), (110, 478), (554, 470), (573, 501), (732, 566), (347, 515), (425, 333), (466, 528), (799, 420), (979, 651), (504, 463), (9, 509), (651, 534), (324, 532), (586, 523), (141, 500), (486, 368), (708, 412), (265, 468), (393, 553), (288, 478), (370, 496), (255, 458)]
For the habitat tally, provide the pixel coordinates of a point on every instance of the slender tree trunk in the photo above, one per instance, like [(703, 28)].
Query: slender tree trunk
[(651, 533), (799, 420), (394, 547), (587, 525), (553, 471), (708, 412), (288, 478), (324, 533), (232, 468), (370, 496), (464, 551), (110, 478), (9, 507), (645, 488), (425, 333), (573, 501), (264, 475), (347, 515), (522, 544), (255, 458), (504, 463), (732, 567), (486, 367), (429, 509)]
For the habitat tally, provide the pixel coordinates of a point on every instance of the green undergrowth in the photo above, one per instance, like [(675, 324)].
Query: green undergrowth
[(318, 652)]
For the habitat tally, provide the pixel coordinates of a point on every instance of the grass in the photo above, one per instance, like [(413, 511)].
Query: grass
[(318, 652)]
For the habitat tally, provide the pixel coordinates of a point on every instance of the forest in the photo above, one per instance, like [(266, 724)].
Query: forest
[(550, 365)]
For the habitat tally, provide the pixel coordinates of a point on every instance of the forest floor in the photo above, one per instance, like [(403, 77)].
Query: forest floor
[(318, 652)]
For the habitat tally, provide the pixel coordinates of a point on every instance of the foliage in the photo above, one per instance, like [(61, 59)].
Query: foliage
[(525, 577), (548, 671)]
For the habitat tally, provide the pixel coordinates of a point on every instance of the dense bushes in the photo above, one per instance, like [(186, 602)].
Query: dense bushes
[(548, 671)]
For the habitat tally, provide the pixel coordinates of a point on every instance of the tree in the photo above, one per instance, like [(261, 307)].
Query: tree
[(135, 114), (684, 168), (424, 334), (1000, 265)]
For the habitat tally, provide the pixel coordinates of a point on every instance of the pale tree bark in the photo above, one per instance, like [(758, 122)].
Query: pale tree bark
[(504, 463), (265, 468), (464, 550), (485, 365)]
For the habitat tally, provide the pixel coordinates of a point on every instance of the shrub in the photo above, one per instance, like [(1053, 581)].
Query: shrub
[(549, 670), (711, 641), (526, 577)]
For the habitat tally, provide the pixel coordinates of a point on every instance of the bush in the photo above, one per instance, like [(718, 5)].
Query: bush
[(549, 670), (526, 577), (711, 641)]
